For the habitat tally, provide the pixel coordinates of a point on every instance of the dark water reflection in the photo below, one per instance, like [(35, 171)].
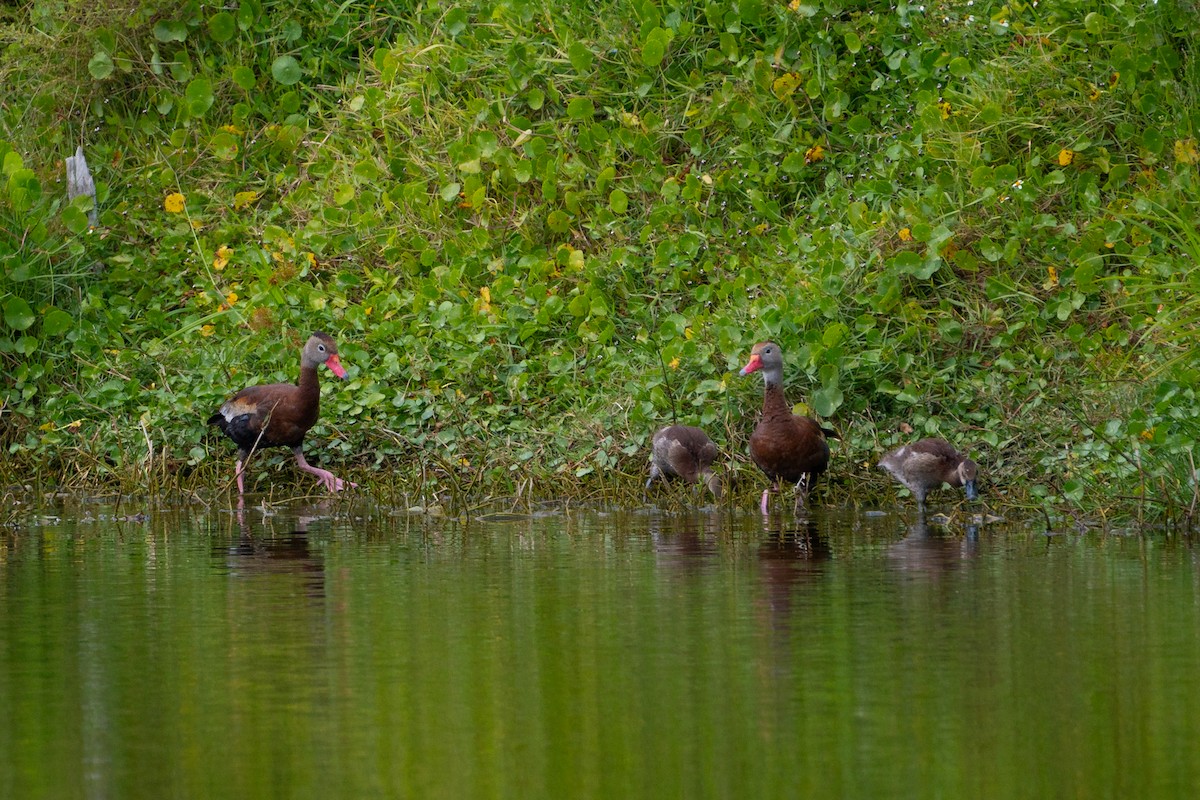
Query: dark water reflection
[(346, 651)]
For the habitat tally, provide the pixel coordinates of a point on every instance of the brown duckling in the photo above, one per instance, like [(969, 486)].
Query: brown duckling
[(686, 453)]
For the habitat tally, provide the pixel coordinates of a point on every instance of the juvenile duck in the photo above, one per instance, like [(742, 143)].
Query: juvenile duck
[(929, 463), (684, 452)]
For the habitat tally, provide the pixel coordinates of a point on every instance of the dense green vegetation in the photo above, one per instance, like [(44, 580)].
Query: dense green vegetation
[(540, 229)]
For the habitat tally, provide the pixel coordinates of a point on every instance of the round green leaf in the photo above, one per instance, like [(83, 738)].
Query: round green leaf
[(827, 400), (222, 26), (74, 219), (581, 108), (224, 145), (17, 314), (456, 20), (23, 189), (170, 31), (100, 66), (559, 221), (853, 43), (56, 322), (1094, 23), (286, 70), (1152, 140), (199, 96), (960, 67), (450, 191), (654, 49), (243, 77), (859, 123), (581, 57), (618, 201)]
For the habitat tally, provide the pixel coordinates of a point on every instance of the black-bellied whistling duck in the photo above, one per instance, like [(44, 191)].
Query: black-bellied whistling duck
[(785, 446), (279, 414), (685, 452), (929, 463)]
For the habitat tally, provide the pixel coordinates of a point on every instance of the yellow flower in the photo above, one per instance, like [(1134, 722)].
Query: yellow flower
[(486, 294), (231, 298), (221, 257), (1185, 151), (1051, 277), (1094, 94), (674, 364), (814, 153), (687, 333), (243, 199), (207, 330), (905, 235), (1065, 157), (945, 109), (232, 129), (173, 203)]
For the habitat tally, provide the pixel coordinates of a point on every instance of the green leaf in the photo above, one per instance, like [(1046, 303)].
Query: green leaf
[(618, 201), (286, 70), (853, 43), (581, 108), (17, 314), (75, 220), (199, 96), (23, 189), (12, 162), (581, 57), (100, 66), (827, 400), (243, 77), (170, 31), (558, 221), (224, 145), (450, 192), (960, 67), (222, 26), (1094, 23), (859, 123), (654, 48), (456, 21), (56, 322)]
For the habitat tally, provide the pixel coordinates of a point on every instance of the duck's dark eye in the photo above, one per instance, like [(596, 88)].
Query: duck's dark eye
[(321, 347)]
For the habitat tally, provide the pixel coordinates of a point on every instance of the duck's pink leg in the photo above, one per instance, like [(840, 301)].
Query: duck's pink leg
[(238, 472), (327, 478), (763, 504)]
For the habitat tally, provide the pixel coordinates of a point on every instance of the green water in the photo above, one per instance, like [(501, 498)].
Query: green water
[(351, 652)]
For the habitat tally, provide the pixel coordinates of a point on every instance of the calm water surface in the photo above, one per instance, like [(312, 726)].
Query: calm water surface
[(361, 652)]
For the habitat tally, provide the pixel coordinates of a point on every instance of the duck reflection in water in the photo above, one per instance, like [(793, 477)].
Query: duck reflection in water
[(932, 550), (686, 543), (264, 553), (788, 558)]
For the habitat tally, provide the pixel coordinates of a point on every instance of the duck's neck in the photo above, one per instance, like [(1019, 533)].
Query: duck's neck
[(309, 385), (774, 403)]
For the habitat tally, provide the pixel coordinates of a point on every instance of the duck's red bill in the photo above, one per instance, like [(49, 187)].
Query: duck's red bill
[(335, 366)]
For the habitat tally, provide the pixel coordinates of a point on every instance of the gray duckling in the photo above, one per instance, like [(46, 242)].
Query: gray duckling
[(929, 463)]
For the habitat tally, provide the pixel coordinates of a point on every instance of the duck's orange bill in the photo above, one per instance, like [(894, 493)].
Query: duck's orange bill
[(754, 365), (335, 366)]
